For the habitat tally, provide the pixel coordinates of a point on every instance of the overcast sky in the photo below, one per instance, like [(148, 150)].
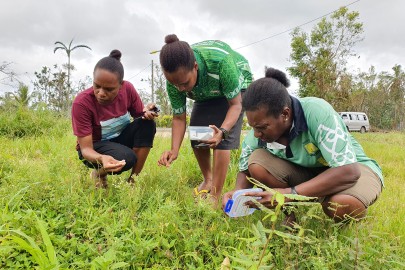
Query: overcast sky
[(29, 29)]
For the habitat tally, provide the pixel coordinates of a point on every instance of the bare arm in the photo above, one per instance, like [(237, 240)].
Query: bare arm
[(88, 152), (241, 181), (331, 181), (108, 162), (178, 130), (235, 107)]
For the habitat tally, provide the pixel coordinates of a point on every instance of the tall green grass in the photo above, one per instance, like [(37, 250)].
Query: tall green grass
[(52, 217)]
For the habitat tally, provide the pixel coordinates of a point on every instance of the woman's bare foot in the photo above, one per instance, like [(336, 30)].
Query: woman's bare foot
[(203, 189), (131, 179), (100, 180), (214, 202)]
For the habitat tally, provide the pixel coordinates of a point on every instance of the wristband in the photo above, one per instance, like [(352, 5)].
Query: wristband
[(294, 191), (225, 133)]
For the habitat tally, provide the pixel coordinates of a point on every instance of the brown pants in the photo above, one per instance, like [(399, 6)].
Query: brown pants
[(367, 188)]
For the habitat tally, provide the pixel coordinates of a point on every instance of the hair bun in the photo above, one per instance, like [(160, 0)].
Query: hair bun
[(116, 54), (277, 75), (171, 38)]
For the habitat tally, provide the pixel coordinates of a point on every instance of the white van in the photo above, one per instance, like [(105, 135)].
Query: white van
[(356, 121)]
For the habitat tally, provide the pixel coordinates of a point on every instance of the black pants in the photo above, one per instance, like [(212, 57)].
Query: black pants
[(140, 133)]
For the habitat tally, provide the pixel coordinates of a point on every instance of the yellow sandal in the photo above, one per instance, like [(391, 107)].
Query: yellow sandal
[(201, 193)]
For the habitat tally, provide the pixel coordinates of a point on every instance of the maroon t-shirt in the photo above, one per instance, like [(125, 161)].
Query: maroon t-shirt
[(105, 122)]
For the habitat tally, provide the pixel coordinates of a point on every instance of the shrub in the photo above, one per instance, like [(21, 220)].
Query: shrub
[(165, 121), (22, 122)]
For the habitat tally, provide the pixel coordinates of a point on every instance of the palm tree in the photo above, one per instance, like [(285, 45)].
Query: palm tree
[(68, 51), (21, 98)]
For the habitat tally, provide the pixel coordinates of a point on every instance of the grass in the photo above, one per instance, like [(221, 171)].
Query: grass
[(52, 217)]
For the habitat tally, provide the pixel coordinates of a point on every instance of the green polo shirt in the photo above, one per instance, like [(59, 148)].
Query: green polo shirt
[(318, 138), (222, 72)]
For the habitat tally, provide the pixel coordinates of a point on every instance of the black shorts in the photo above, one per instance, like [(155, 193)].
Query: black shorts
[(140, 133), (213, 112)]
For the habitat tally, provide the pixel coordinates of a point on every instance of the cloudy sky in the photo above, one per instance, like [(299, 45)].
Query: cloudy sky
[(258, 29)]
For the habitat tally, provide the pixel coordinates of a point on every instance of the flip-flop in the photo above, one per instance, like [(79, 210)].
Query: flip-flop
[(202, 192)]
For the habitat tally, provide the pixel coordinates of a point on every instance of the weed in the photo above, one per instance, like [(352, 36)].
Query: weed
[(53, 217)]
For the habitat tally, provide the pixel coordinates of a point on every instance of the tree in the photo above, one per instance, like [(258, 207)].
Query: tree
[(368, 96), (21, 98), (51, 89), (365, 83), (7, 75), (160, 94), (146, 97), (397, 96), (68, 49), (382, 97), (319, 59)]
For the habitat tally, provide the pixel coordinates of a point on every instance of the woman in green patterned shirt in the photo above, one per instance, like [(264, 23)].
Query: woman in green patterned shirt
[(213, 75), (302, 146)]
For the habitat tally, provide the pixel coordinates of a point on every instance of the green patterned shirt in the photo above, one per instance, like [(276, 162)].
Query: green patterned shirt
[(319, 138), (222, 72)]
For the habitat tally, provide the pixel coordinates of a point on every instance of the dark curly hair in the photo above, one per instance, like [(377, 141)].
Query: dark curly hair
[(269, 92), (112, 63)]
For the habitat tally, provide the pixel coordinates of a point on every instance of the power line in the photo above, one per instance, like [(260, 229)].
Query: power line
[(288, 30), (140, 72), (261, 40)]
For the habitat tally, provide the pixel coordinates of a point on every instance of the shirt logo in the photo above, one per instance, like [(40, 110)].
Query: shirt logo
[(311, 148), (323, 161)]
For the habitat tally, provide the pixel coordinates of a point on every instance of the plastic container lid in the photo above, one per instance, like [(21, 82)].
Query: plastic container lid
[(200, 133)]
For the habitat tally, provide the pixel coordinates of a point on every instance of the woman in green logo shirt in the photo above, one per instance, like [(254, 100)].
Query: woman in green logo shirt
[(213, 75), (302, 146)]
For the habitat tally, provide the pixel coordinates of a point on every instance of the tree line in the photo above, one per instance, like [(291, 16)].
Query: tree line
[(319, 61), (53, 89)]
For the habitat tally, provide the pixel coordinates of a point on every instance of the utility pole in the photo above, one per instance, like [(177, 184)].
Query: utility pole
[(153, 90)]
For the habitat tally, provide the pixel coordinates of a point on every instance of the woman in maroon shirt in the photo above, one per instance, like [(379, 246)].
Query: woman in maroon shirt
[(107, 140)]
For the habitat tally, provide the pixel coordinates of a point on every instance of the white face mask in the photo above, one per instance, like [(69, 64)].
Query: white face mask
[(275, 145)]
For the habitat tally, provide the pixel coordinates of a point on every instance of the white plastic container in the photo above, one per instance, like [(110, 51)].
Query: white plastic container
[(200, 133), (235, 207)]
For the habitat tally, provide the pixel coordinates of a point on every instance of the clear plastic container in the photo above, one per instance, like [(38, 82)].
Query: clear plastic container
[(200, 133)]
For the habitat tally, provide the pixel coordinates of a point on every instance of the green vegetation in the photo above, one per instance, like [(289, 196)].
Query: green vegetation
[(68, 50), (319, 62), (52, 217)]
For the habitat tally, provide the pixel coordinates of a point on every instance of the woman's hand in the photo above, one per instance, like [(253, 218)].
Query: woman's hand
[(216, 138), (167, 158), (267, 197), (226, 197), (110, 164), (151, 111)]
